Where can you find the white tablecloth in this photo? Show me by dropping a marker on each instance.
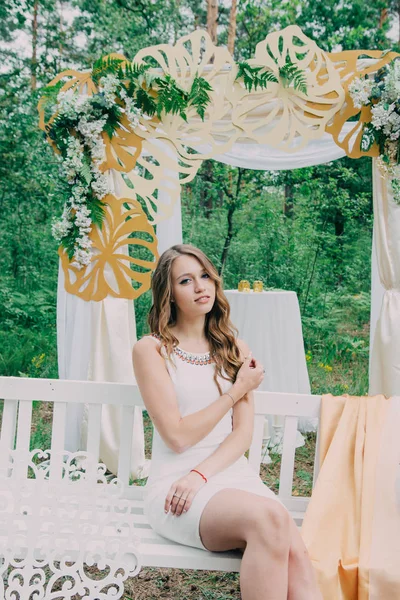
(270, 323)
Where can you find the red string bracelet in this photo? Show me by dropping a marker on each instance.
(198, 472)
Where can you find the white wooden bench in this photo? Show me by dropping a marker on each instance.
(155, 551)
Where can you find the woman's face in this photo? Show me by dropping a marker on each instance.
(192, 288)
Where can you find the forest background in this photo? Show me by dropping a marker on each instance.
(307, 230)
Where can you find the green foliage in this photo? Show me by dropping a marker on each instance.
(199, 96)
(255, 76)
(291, 74)
(107, 66)
(368, 138)
(260, 77)
(171, 98)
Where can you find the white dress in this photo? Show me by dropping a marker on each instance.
(192, 376)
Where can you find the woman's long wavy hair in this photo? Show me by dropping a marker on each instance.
(219, 330)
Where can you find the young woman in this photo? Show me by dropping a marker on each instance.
(197, 383)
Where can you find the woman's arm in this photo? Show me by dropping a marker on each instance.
(159, 397)
(237, 442)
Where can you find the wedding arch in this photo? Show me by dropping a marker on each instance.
(129, 134)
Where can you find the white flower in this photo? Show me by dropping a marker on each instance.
(82, 219)
(91, 130)
(82, 258)
(84, 241)
(392, 82)
(67, 103)
(132, 112)
(100, 185)
(392, 127)
(78, 193)
(61, 227)
(360, 91)
(108, 86)
(97, 150)
(381, 115)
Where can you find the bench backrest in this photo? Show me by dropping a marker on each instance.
(19, 393)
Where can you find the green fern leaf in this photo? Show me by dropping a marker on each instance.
(145, 102)
(290, 73)
(255, 76)
(97, 211)
(199, 95)
(171, 97)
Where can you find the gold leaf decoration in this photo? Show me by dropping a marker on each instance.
(113, 269)
(349, 65)
(283, 116)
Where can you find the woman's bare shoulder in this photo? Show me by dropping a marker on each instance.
(147, 345)
(243, 347)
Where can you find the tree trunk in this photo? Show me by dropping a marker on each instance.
(319, 244)
(288, 199)
(229, 235)
(177, 20)
(383, 17)
(398, 19)
(34, 45)
(233, 205)
(212, 19)
(339, 233)
(232, 27)
(206, 202)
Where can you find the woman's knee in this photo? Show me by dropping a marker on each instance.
(270, 525)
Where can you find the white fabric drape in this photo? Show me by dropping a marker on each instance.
(95, 341)
(377, 291)
(259, 157)
(266, 158)
(385, 358)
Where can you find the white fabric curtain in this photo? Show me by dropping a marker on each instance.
(385, 351)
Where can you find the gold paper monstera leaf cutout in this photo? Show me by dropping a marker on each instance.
(125, 254)
(280, 115)
(350, 65)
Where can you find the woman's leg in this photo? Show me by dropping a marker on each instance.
(302, 579)
(275, 562)
(239, 519)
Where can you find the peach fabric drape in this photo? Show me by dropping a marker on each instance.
(352, 493)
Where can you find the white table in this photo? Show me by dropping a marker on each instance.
(270, 323)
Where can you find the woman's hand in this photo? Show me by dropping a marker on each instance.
(182, 492)
(250, 374)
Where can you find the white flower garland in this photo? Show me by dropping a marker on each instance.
(383, 95)
(76, 214)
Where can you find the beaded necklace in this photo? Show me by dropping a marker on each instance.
(190, 357)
